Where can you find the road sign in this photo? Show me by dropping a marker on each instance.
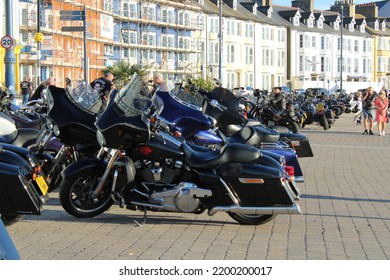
(7, 42)
(73, 17)
(72, 28)
(72, 13)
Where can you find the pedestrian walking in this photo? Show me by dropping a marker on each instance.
(359, 107)
(381, 106)
(368, 112)
(26, 89)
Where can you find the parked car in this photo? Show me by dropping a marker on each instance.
(243, 91)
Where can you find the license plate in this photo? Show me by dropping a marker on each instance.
(271, 123)
(42, 184)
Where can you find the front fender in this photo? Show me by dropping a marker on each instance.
(83, 165)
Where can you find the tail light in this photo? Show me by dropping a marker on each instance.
(289, 170)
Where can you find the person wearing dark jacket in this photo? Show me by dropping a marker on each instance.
(278, 101)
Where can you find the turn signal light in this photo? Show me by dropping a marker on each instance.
(145, 150)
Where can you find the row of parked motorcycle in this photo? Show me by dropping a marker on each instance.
(186, 150)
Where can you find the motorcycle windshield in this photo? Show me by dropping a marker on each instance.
(134, 98)
(86, 99)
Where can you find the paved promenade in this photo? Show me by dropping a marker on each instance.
(345, 205)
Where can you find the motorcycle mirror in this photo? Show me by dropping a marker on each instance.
(214, 103)
(256, 92)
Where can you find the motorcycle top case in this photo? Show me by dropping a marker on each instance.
(256, 185)
(17, 194)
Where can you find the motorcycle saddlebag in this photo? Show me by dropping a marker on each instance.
(299, 142)
(257, 185)
(17, 194)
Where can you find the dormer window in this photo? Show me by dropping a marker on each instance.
(320, 23)
(376, 26)
(269, 12)
(351, 27)
(310, 22)
(296, 21)
(336, 25)
(383, 25)
(254, 9)
(362, 29)
(201, 2)
(235, 5)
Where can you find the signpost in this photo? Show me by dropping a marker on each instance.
(77, 15)
(7, 42)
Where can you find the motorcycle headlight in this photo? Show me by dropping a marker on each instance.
(49, 123)
(100, 139)
(56, 130)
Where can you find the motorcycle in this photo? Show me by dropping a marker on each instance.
(183, 113)
(143, 168)
(71, 122)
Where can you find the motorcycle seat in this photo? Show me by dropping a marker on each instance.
(255, 135)
(232, 152)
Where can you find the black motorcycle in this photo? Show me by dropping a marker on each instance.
(142, 168)
(71, 122)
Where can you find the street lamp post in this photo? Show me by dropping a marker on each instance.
(341, 49)
(220, 40)
(38, 37)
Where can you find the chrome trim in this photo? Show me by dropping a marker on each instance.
(232, 195)
(105, 175)
(270, 210)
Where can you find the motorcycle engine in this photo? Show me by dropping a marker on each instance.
(185, 197)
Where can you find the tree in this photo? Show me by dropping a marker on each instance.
(122, 71)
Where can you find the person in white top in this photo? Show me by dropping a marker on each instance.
(359, 104)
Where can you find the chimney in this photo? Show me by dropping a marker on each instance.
(349, 7)
(306, 5)
(369, 10)
(263, 3)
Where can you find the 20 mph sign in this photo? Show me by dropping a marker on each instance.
(7, 42)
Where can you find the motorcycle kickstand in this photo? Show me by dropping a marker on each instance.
(144, 219)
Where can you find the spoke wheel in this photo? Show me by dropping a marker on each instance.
(76, 195)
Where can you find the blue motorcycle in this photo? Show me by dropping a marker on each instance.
(203, 120)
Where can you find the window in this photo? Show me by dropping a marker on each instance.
(356, 48)
(249, 30)
(301, 41)
(356, 66)
(214, 25)
(313, 42)
(133, 37)
(320, 23)
(125, 36)
(133, 10)
(322, 64)
(280, 58)
(231, 80)
(364, 66)
(296, 21)
(336, 25)
(249, 55)
(310, 22)
(214, 52)
(322, 43)
(231, 53)
(125, 10)
(281, 35)
(266, 57)
(301, 63)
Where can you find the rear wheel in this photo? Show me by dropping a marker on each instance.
(246, 219)
(76, 194)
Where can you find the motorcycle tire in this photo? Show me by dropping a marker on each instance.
(76, 190)
(245, 219)
(324, 122)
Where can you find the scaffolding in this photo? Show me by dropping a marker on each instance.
(157, 34)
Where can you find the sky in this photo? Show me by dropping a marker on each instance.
(318, 4)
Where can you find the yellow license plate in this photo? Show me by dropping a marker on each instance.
(42, 184)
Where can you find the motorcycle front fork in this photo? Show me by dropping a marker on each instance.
(113, 156)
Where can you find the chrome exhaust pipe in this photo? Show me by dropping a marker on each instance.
(270, 210)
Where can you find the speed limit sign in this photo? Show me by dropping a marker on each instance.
(7, 42)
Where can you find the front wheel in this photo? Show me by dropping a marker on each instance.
(246, 219)
(76, 194)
